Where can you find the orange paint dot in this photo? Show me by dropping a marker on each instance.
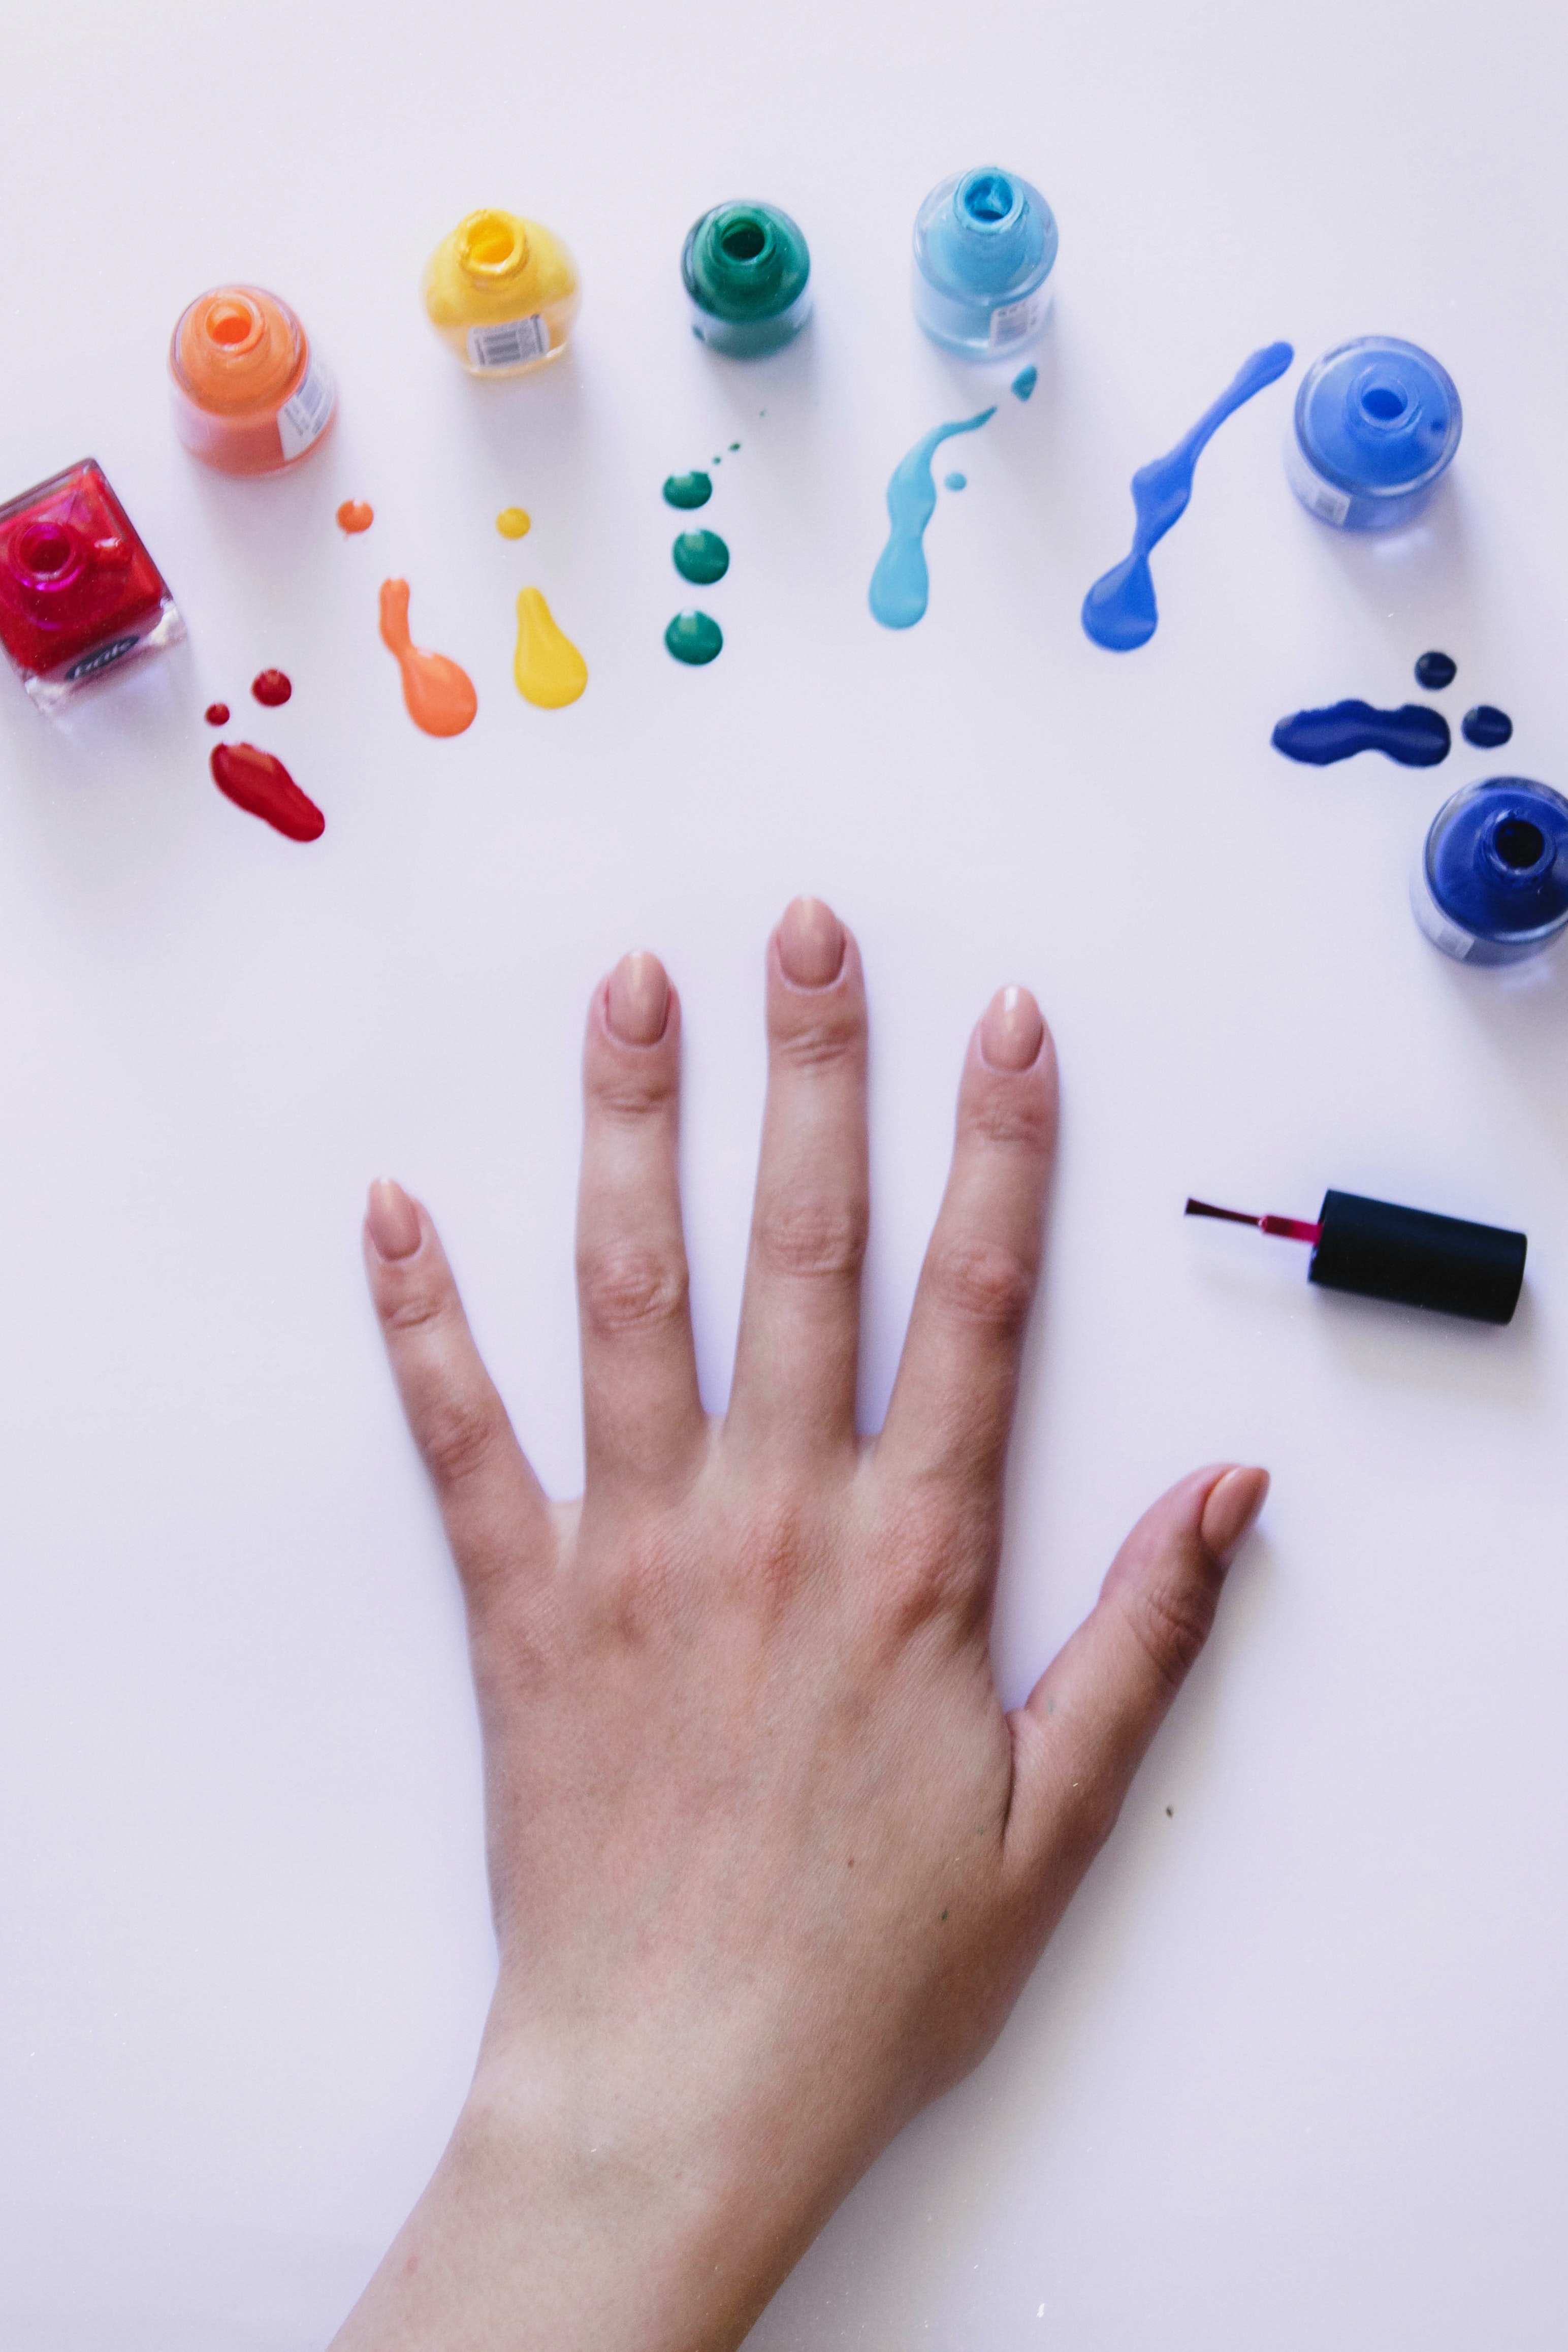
(438, 696)
(355, 514)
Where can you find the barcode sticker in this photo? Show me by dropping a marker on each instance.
(1319, 497)
(1011, 322)
(303, 420)
(509, 346)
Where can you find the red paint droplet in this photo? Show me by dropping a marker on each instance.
(272, 687)
(356, 514)
(217, 714)
(260, 783)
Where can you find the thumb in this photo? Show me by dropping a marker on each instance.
(1086, 1727)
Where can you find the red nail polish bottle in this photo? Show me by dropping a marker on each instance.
(78, 592)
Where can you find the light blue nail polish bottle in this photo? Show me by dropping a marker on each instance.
(985, 247)
(1490, 884)
(1377, 426)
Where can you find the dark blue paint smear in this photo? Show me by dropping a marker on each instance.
(901, 585)
(1414, 736)
(1434, 670)
(1486, 726)
(1118, 611)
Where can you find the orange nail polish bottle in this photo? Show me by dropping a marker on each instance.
(250, 395)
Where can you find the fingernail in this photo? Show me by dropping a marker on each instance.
(1233, 1505)
(1011, 1031)
(393, 1219)
(810, 943)
(638, 1000)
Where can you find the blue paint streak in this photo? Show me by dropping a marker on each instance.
(1025, 381)
(1414, 735)
(901, 585)
(1486, 726)
(1118, 611)
(955, 481)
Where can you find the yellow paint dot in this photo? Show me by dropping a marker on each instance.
(512, 522)
(548, 667)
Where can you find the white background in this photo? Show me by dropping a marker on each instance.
(1292, 2070)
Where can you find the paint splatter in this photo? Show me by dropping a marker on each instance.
(901, 585)
(1414, 735)
(701, 556)
(513, 523)
(1118, 611)
(272, 687)
(1486, 726)
(548, 669)
(735, 445)
(1434, 670)
(1025, 381)
(438, 696)
(261, 785)
(687, 491)
(217, 714)
(955, 481)
(694, 638)
(355, 515)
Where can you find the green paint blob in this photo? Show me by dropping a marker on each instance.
(687, 491)
(693, 638)
(702, 556)
(735, 445)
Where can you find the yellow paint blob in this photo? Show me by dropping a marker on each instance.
(512, 522)
(548, 668)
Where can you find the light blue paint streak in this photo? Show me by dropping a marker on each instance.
(1118, 611)
(955, 481)
(901, 585)
(1025, 381)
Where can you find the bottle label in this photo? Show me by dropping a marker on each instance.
(303, 420)
(1319, 497)
(100, 659)
(1012, 321)
(1449, 936)
(510, 345)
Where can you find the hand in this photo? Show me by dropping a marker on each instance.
(769, 1863)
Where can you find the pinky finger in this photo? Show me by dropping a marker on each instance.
(497, 1517)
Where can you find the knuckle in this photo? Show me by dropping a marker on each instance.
(983, 1282)
(938, 1552)
(627, 1288)
(778, 1549)
(1010, 1117)
(458, 1436)
(1171, 1621)
(808, 1237)
(821, 1036)
(418, 1308)
(625, 1090)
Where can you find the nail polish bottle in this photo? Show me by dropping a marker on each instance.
(747, 271)
(250, 395)
(985, 247)
(1490, 884)
(79, 592)
(1379, 1249)
(502, 293)
(1377, 426)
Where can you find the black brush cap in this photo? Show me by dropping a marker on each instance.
(1415, 1259)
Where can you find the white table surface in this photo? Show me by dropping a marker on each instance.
(1292, 2073)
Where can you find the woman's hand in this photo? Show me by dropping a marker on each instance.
(769, 1863)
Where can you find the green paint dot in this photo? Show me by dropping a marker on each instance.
(702, 556)
(693, 638)
(687, 491)
(735, 445)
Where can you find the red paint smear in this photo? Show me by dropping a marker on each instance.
(217, 714)
(355, 514)
(259, 784)
(272, 687)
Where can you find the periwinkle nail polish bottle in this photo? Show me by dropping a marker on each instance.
(1491, 883)
(1376, 428)
(250, 395)
(80, 593)
(985, 247)
(746, 270)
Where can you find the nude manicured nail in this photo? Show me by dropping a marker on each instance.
(810, 943)
(393, 1219)
(1233, 1505)
(638, 1000)
(1011, 1031)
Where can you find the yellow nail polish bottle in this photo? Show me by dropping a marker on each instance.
(502, 293)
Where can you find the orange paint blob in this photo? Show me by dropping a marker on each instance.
(438, 696)
(355, 514)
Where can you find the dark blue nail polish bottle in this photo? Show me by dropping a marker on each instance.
(1491, 883)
